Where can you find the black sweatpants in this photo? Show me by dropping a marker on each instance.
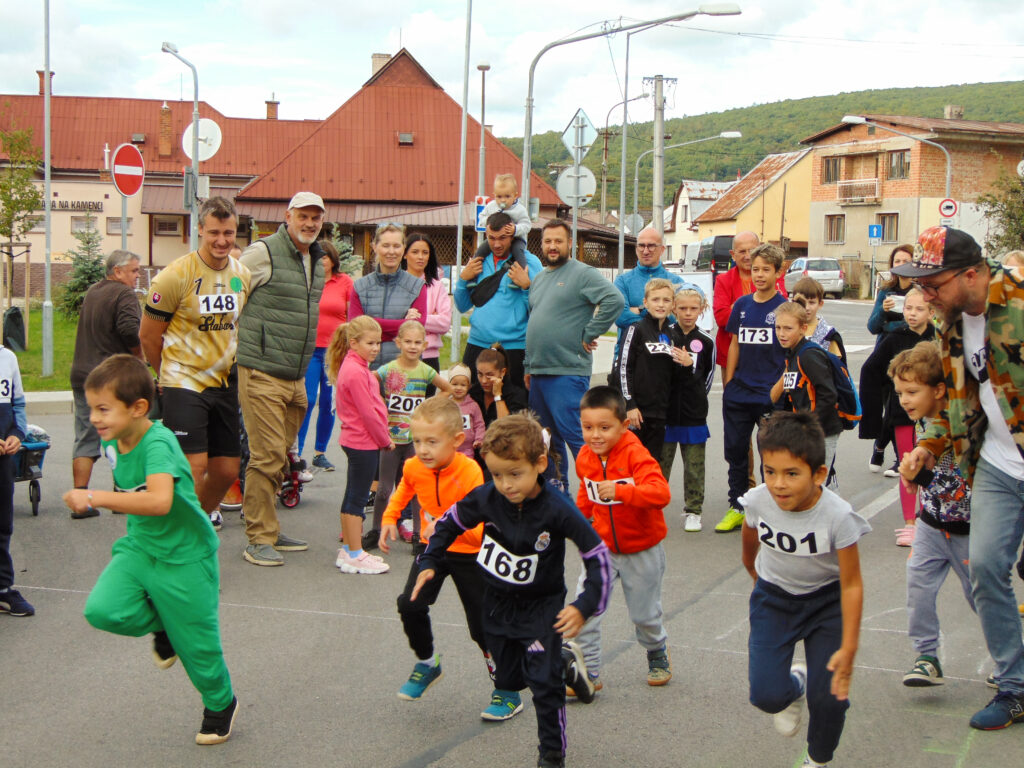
(469, 582)
(528, 652)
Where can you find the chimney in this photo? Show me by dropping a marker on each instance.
(377, 61)
(953, 112)
(42, 81)
(272, 105)
(489, 128)
(166, 137)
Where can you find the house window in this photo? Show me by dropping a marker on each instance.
(684, 213)
(405, 138)
(114, 225)
(835, 229)
(81, 224)
(899, 164)
(167, 225)
(38, 225)
(831, 169)
(890, 227)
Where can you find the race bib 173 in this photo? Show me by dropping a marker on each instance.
(756, 335)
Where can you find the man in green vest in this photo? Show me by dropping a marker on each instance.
(276, 338)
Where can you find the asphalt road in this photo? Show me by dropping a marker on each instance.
(317, 656)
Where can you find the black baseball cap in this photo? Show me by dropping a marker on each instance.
(940, 249)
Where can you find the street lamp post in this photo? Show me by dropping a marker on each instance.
(858, 120)
(172, 49)
(483, 66)
(711, 9)
(636, 170)
(604, 157)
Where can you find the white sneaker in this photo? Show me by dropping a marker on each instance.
(787, 722)
(305, 476)
(693, 522)
(217, 519)
(365, 563)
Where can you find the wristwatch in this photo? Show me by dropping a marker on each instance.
(497, 398)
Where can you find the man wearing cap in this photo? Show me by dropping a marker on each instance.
(981, 304)
(276, 339)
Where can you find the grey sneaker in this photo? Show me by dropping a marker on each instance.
(787, 722)
(262, 554)
(288, 544)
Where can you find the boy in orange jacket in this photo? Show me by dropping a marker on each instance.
(439, 476)
(623, 492)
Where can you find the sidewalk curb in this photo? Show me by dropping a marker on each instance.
(49, 403)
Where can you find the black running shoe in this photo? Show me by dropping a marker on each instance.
(576, 676)
(216, 728)
(163, 652)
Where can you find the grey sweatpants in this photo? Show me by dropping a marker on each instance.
(934, 553)
(641, 574)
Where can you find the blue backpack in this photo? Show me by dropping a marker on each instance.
(847, 401)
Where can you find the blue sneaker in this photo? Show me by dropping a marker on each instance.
(320, 462)
(504, 705)
(13, 603)
(1003, 711)
(423, 676)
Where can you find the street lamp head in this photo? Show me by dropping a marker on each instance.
(483, 66)
(854, 120)
(169, 48)
(719, 9)
(730, 135)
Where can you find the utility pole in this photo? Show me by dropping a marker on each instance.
(658, 196)
(604, 176)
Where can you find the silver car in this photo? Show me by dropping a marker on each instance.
(828, 272)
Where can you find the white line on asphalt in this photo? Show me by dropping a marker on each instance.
(872, 508)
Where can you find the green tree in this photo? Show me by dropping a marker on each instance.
(87, 268)
(19, 196)
(1004, 207)
(351, 263)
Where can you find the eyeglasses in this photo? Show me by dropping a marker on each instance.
(390, 225)
(648, 246)
(932, 289)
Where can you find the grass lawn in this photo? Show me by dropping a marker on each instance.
(31, 360)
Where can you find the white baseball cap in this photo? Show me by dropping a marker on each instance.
(307, 199)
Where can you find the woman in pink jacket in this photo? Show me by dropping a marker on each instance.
(420, 261)
(364, 431)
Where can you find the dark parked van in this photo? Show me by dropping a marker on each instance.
(714, 255)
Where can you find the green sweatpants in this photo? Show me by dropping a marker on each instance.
(693, 472)
(137, 594)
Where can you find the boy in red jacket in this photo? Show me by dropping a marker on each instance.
(623, 492)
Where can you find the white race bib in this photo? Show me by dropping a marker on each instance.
(499, 562)
(756, 335)
(6, 390)
(594, 496)
(404, 404)
(467, 423)
(219, 303)
(658, 348)
(789, 379)
(801, 543)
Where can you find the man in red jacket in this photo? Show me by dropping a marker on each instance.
(623, 492)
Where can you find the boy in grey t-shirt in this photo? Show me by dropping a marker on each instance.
(800, 547)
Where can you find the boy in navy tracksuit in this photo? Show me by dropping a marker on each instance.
(522, 553)
(12, 432)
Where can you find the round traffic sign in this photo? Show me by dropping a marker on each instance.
(128, 170)
(566, 185)
(948, 208)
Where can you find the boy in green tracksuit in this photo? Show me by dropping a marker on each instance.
(163, 577)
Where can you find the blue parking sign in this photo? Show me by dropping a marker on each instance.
(481, 225)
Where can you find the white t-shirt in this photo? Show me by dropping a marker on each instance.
(798, 549)
(998, 448)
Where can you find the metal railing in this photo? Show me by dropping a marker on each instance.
(858, 190)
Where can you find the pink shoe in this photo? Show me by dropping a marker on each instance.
(905, 536)
(365, 563)
(405, 530)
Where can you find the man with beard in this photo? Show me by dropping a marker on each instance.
(981, 303)
(276, 339)
(571, 305)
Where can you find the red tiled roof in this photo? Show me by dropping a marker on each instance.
(274, 210)
(355, 154)
(81, 125)
(747, 189)
(939, 125)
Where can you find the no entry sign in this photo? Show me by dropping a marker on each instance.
(128, 171)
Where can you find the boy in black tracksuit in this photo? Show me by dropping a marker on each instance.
(522, 554)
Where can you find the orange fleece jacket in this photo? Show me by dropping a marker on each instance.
(637, 523)
(437, 490)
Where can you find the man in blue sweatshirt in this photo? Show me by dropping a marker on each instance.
(649, 247)
(571, 305)
(502, 318)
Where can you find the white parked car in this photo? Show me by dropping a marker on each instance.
(828, 272)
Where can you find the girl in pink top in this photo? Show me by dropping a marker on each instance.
(421, 261)
(364, 431)
(333, 312)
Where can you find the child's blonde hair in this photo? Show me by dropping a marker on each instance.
(515, 437)
(658, 284)
(921, 363)
(506, 179)
(440, 410)
(809, 287)
(795, 308)
(688, 291)
(411, 325)
(342, 339)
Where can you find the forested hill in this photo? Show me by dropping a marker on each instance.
(766, 128)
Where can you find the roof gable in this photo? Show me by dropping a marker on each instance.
(962, 129)
(402, 69)
(751, 186)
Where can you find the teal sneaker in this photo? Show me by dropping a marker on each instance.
(504, 705)
(423, 676)
(733, 519)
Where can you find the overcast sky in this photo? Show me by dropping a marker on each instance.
(314, 57)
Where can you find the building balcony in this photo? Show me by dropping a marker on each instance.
(858, 192)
